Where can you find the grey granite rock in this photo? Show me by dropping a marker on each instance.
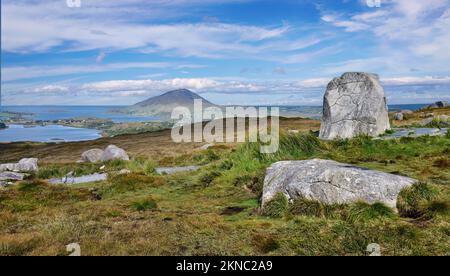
(354, 104)
(70, 180)
(398, 116)
(114, 153)
(92, 155)
(14, 176)
(24, 165)
(331, 182)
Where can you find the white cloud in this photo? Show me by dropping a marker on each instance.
(307, 91)
(13, 73)
(50, 89)
(101, 56)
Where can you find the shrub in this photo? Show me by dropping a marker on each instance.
(142, 165)
(226, 165)
(253, 181)
(362, 211)
(144, 205)
(209, 177)
(277, 207)
(411, 201)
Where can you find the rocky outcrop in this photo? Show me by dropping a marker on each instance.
(398, 116)
(70, 179)
(114, 153)
(331, 182)
(92, 156)
(354, 104)
(12, 176)
(440, 104)
(24, 165)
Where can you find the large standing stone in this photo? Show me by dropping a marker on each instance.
(331, 182)
(354, 104)
(114, 153)
(92, 156)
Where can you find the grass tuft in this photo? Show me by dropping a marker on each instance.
(411, 201)
(144, 205)
(362, 211)
(277, 207)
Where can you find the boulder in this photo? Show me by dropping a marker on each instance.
(24, 165)
(114, 153)
(398, 116)
(15, 176)
(2, 125)
(407, 111)
(92, 156)
(27, 165)
(439, 104)
(354, 104)
(331, 182)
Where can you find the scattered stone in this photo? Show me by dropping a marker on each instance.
(331, 182)
(293, 131)
(207, 146)
(114, 153)
(124, 171)
(414, 133)
(102, 167)
(407, 111)
(398, 116)
(92, 156)
(173, 170)
(79, 180)
(15, 176)
(24, 165)
(354, 104)
(429, 115)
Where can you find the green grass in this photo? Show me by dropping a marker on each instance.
(183, 214)
(144, 205)
(276, 207)
(412, 201)
(362, 211)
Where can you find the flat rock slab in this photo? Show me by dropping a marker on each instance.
(331, 182)
(173, 170)
(70, 180)
(414, 132)
(12, 176)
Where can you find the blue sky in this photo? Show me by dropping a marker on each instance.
(261, 52)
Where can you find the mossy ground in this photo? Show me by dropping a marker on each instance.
(215, 211)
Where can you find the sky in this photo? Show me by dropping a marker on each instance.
(246, 52)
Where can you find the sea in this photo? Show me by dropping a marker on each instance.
(58, 133)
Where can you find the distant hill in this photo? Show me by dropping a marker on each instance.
(163, 105)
